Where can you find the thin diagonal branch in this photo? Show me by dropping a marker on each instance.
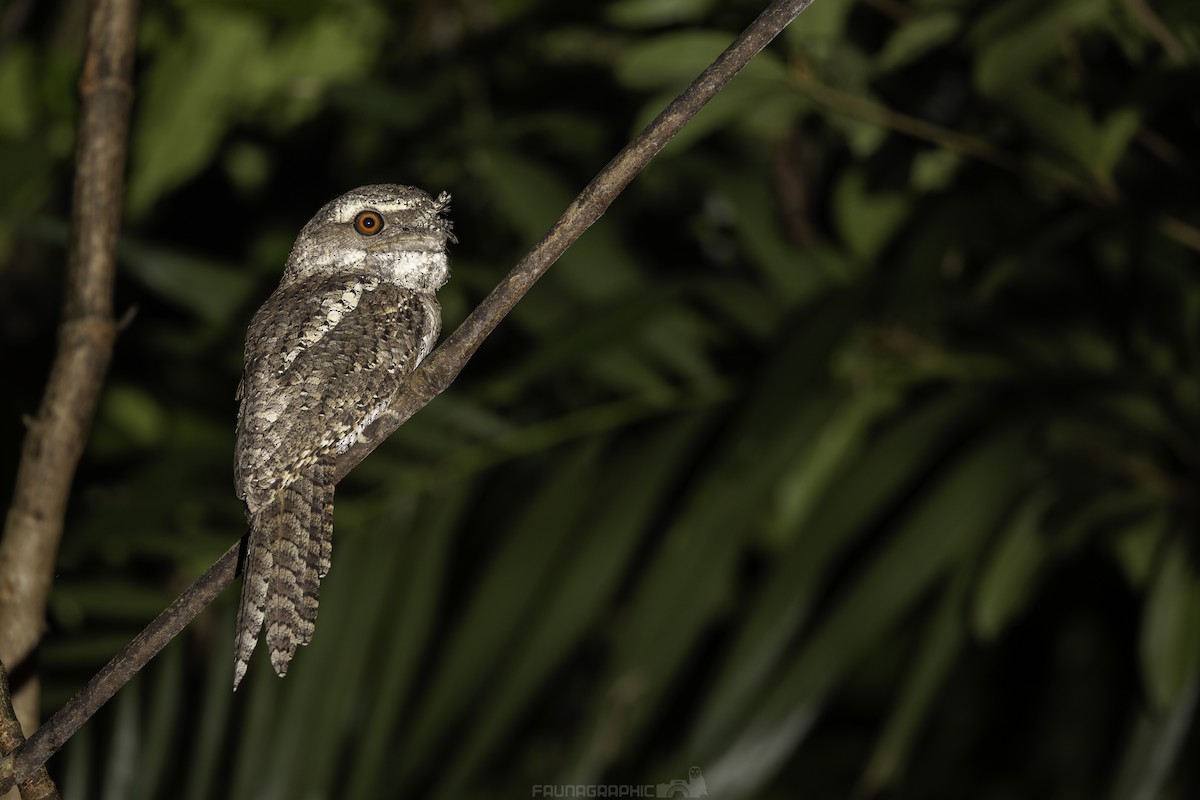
(56, 437)
(441, 368)
(436, 373)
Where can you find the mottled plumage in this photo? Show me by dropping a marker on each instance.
(353, 316)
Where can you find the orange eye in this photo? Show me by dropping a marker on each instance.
(368, 223)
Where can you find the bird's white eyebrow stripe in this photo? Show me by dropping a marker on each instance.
(348, 211)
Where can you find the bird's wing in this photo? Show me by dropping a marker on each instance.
(323, 358)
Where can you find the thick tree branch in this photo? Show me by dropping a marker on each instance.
(56, 437)
(37, 786)
(436, 373)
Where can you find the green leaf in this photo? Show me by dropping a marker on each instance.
(804, 483)
(841, 519)
(1115, 135)
(970, 498)
(822, 24)
(1135, 545)
(213, 292)
(1153, 748)
(1170, 640)
(917, 37)
(674, 59)
(1009, 578)
(934, 170)
(122, 754)
(577, 590)
(224, 68)
(692, 570)
(796, 274)
(417, 586)
(738, 104)
(1070, 131)
(1017, 39)
(865, 219)
(669, 62)
(16, 89)
(652, 13)
(941, 644)
(25, 170)
(109, 599)
(188, 98)
(258, 730)
(211, 728)
(504, 596)
(128, 418)
(165, 694)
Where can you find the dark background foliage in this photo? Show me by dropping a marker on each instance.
(851, 454)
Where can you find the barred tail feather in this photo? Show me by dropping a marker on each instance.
(325, 504)
(253, 607)
(288, 553)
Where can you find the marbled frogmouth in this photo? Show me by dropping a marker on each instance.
(355, 313)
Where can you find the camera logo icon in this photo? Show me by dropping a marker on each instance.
(694, 786)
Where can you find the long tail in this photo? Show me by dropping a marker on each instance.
(287, 554)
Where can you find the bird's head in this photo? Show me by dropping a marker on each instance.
(396, 232)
